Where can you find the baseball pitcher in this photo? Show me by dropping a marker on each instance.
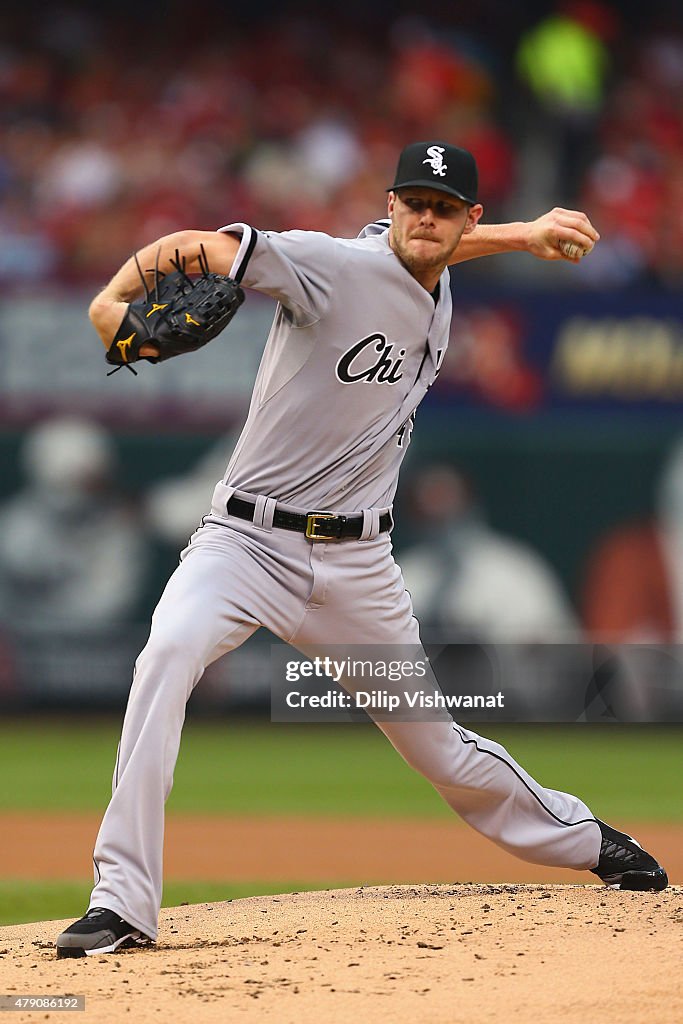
(298, 535)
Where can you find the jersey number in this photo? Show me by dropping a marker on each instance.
(404, 434)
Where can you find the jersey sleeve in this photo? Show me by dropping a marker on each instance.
(297, 268)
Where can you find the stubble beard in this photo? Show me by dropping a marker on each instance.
(421, 264)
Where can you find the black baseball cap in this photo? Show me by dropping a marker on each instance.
(438, 165)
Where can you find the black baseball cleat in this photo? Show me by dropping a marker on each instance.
(100, 931)
(624, 864)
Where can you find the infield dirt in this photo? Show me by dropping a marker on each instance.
(282, 849)
(422, 953)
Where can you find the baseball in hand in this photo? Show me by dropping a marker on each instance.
(571, 250)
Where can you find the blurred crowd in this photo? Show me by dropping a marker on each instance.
(119, 125)
(76, 549)
(77, 560)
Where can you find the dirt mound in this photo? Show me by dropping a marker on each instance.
(520, 953)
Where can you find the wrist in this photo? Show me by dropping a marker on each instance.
(518, 236)
(106, 316)
(492, 239)
(110, 296)
(107, 297)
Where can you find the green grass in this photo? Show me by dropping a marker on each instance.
(22, 901)
(242, 767)
(624, 773)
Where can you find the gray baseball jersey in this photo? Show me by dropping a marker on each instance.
(354, 334)
(355, 344)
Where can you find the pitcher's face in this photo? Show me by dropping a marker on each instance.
(426, 226)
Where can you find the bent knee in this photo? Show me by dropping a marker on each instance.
(166, 649)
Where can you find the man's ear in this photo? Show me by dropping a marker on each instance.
(473, 217)
(391, 202)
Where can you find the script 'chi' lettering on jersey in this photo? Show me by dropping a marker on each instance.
(124, 345)
(435, 159)
(371, 360)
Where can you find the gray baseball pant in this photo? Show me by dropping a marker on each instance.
(235, 576)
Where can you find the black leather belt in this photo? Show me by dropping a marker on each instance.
(316, 525)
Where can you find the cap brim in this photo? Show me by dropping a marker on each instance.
(430, 183)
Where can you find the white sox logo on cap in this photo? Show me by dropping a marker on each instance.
(435, 160)
(439, 165)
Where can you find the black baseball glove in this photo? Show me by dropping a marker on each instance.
(179, 314)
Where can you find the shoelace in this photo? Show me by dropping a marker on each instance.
(615, 851)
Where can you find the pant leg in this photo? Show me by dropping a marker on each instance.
(225, 587)
(362, 600)
(481, 781)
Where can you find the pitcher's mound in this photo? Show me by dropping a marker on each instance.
(525, 953)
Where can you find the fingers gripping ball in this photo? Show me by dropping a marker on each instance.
(179, 314)
(571, 250)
